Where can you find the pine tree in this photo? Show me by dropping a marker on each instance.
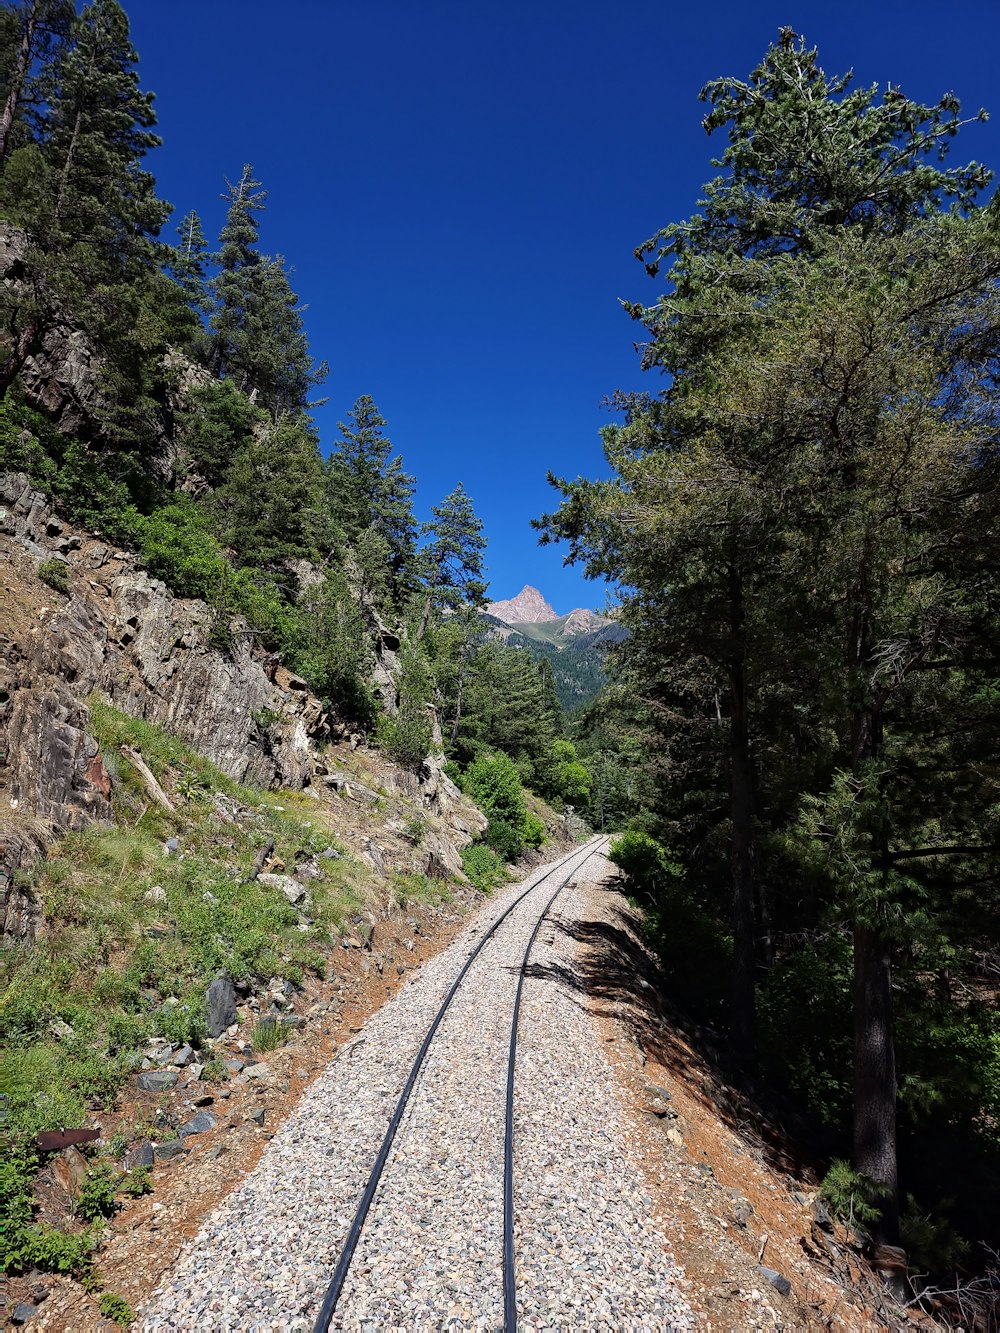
(32, 34)
(188, 263)
(238, 260)
(826, 198)
(90, 209)
(452, 561)
(368, 488)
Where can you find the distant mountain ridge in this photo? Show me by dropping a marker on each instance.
(573, 643)
(531, 615)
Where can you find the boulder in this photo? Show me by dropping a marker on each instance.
(158, 1080)
(220, 1002)
(293, 890)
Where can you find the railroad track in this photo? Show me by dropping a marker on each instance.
(572, 864)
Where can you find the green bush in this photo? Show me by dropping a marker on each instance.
(484, 869)
(493, 783)
(96, 1197)
(268, 1035)
(645, 863)
(56, 574)
(533, 830)
(117, 1309)
(504, 838)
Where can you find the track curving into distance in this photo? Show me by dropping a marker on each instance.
(336, 1285)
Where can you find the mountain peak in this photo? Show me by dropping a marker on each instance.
(529, 607)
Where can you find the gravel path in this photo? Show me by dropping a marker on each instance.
(588, 1252)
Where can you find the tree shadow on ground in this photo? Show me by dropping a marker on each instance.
(613, 975)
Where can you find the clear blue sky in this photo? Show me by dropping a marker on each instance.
(460, 185)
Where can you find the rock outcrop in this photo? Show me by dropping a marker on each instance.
(123, 634)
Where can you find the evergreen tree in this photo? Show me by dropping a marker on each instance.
(188, 263)
(452, 561)
(32, 34)
(828, 206)
(368, 488)
(91, 212)
(238, 260)
(270, 508)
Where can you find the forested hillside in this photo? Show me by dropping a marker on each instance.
(804, 511)
(160, 393)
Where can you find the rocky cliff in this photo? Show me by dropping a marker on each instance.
(119, 633)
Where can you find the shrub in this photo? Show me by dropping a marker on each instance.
(504, 838)
(644, 862)
(268, 1035)
(117, 1309)
(492, 782)
(56, 574)
(484, 869)
(137, 1183)
(96, 1198)
(533, 830)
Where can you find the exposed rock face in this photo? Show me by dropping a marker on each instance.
(124, 634)
(454, 821)
(528, 607)
(22, 841)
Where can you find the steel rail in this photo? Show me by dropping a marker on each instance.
(336, 1284)
(509, 1280)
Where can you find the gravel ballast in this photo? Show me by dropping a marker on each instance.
(588, 1250)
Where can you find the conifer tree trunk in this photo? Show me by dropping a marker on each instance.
(743, 1028)
(17, 78)
(875, 1075)
(874, 1040)
(67, 167)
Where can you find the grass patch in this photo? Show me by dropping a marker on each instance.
(268, 1035)
(424, 889)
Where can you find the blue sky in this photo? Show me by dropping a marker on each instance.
(460, 185)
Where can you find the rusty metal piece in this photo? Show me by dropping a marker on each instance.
(53, 1140)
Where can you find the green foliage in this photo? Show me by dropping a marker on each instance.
(932, 1244)
(137, 1183)
(533, 830)
(330, 644)
(406, 736)
(23, 1245)
(117, 1309)
(645, 863)
(214, 423)
(483, 867)
(452, 560)
(56, 574)
(268, 1035)
(96, 1196)
(367, 489)
(415, 829)
(492, 782)
(419, 889)
(853, 1197)
(805, 1021)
